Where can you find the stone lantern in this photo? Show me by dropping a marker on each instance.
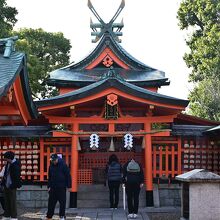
(200, 198)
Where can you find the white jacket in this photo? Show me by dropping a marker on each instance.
(2, 171)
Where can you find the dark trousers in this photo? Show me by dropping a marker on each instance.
(113, 193)
(2, 201)
(132, 191)
(10, 203)
(54, 196)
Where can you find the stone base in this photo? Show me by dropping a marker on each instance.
(149, 198)
(97, 196)
(73, 200)
(169, 195)
(32, 196)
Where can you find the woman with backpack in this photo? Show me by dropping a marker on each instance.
(133, 178)
(114, 177)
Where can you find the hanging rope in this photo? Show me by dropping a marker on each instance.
(107, 134)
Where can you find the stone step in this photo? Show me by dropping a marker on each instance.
(103, 203)
(95, 187)
(101, 195)
(97, 196)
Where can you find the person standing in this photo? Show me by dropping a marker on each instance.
(114, 178)
(133, 178)
(2, 201)
(59, 180)
(10, 182)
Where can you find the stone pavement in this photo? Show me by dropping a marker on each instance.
(104, 214)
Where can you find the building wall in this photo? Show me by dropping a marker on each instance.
(204, 199)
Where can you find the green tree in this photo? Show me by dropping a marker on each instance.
(205, 99)
(202, 20)
(7, 19)
(45, 52)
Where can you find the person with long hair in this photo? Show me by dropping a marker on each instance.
(114, 178)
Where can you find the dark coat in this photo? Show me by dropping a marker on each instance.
(15, 173)
(114, 171)
(132, 178)
(59, 175)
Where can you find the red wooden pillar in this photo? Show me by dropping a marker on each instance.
(173, 161)
(179, 155)
(148, 167)
(111, 127)
(74, 168)
(41, 159)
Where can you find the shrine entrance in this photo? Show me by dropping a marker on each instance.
(91, 162)
(92, 165)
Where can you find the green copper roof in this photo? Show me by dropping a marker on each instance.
(10, 67)
(138, 74)
(110, 81)
(13, 64)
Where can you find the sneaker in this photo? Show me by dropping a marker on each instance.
(62, 218)
(135, 215)
(13, 218)
(130, 215)
(115, 208)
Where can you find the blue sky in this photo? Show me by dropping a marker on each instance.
(150, 34)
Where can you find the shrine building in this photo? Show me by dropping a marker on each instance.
(107, 103)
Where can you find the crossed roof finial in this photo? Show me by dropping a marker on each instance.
(112, 28)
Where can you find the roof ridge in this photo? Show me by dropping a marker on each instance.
(9, 45)
(111, 81)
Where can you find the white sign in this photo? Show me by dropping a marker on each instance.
(94, 141)
(128, 139)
